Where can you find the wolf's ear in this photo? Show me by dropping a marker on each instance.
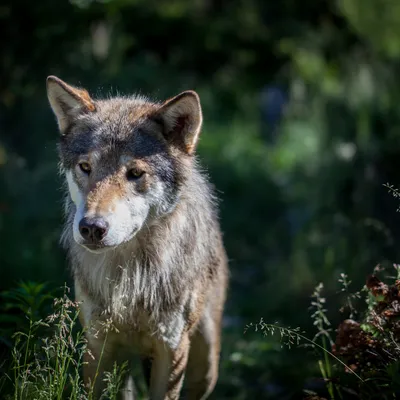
(182, 119)
(66, 100)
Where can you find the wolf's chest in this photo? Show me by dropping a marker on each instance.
(132, 327)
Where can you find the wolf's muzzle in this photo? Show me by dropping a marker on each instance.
(93, 230)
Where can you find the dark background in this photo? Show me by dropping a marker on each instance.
(301, 103)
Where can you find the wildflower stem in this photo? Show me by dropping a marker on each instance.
(292, 332)
(90, 397)
(327, 368)
(26, 359)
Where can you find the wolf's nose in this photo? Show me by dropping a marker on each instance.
(93, 229)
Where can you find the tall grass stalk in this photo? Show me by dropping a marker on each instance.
(93, 384)
(294, 336)
(323, 332)
(48, 357)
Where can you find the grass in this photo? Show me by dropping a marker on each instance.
(47, 358)
(363, 361)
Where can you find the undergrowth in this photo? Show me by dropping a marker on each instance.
(47, 356)
(358, 360)
(363, 362)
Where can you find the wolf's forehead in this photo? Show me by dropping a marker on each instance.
(123, 110)
(114, 116)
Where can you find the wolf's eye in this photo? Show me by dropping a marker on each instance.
(85, 167)
(134, 174)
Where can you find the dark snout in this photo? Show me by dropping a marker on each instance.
(94, 229)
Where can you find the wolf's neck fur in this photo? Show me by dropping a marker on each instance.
(142, 275)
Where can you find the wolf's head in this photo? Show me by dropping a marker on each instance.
(123, 158)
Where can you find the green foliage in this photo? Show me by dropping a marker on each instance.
(363, 361)
(28, 297)
(115, 380)
(46, 364)
(21, 306)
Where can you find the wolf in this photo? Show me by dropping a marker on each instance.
(143, 237)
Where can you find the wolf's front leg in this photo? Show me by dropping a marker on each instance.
(168, 370)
